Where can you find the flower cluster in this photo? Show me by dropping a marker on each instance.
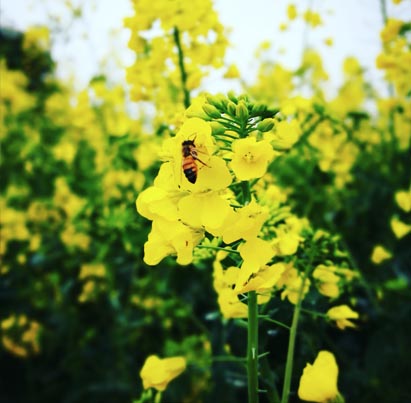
(176, 43)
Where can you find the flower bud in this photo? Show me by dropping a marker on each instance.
(265, 125)
(217, 128)
(257, 109)
(231, 108)
(219, 101)
(211, 111)
(241, 111)
(232, 97)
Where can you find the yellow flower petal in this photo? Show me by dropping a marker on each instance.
(157, 373)
(400, 228)
(403, 199)
(380, 254)
(250, 158)
(318, 382)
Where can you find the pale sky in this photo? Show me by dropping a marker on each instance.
(353, 25)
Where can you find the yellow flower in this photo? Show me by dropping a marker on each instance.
(318, 382)
(36, 37)
(232, 72)
(285, 134)
(245, 223)
(292, 282)
(250, 158)
(380, 254)
(327, 280)
(403, 199)
(264, 280)
(292, 12)
(399, 228)
(341, 314)
(224, 281)
(312, 18)
(391, 29)
(204, 210)
(256, 253)
(157, 373)
(169, 238)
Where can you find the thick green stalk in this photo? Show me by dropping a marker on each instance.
(291, 344)
(252, 348)
(252, 335)
(183, 72)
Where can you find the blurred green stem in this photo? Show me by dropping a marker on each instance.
(183, 72)
(291, 340)
(252, 348)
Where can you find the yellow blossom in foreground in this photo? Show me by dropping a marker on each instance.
(399, 228)
(341, 314)
(250, 158)
(403, 199)
(318, 382)
(245, 222)
(264, 280)
(255, 253)
(169, 238)
(380, 254)
(157, 373)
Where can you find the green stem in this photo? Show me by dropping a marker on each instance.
(218, 248)
(183, 72)
(291, 343)
(252, 348)
(245, 187)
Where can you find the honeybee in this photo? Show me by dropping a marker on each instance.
(190, 157)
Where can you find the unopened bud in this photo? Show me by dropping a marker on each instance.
(217, 128)
(257, 109)
(232, 97)
(241, 111)
(265, 125)
(211, 111)
(231, 108)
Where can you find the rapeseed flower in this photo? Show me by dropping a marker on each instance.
(327, 280)
(250, 158)
(380, 254)
(341, 314)
(318, 382)
(158, 372)
(400, 228)
(403, 199)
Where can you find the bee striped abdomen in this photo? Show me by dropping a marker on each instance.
(190, 169)
(190, 159)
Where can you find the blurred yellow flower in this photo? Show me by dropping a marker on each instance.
(232, 72)
(399, 228)
(403, 199)
(327, 280)
(341, 314)
(318, 382)
(380, 254)
(158, 372)
(292, 12)
(391, 29)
